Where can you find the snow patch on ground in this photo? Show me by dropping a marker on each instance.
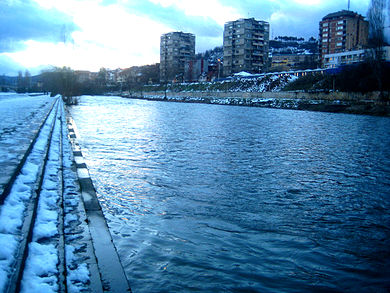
(8, 245)
(40, 274)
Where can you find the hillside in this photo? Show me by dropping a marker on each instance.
(263, 83)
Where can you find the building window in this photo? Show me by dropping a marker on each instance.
(325, 24)
(325, 29)
(325, 35)
(340, 28)
(340, 22)
(325, 40)
(339, 44)
(339, 33)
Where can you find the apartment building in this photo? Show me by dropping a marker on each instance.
(342, 31)
(176, 48)
(245, 46)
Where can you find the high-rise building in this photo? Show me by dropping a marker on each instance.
(245, 46)
(342, 31)
(176, 48)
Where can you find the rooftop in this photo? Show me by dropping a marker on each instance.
(342, 13)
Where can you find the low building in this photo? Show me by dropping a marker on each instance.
(83, 75)
(352, 57)
(344, 58)
(196, 70)
(285, 62)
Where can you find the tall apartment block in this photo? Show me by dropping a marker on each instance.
(176, 48)
(245, 46)
(342, 31)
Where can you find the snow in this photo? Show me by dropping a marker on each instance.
(243, 73)
(78, 278)
(41, 272)
(8, 245)
(21, 116)
(12, 211)
(79, 275)
(69, 218)
(41, 269)
(45, 229)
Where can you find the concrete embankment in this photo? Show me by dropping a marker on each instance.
(356, 103)
(51, 223)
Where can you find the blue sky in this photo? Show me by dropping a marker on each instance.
(90, 34)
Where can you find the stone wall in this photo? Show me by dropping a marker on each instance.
(336, 102)
(331, 96)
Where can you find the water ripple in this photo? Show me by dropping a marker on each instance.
(232, 199)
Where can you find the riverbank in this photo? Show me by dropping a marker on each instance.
(335, 102)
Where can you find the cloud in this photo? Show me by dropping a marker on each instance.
(204, 18)
(174, 17)
(9, 66)
(123, 33)
(22, 20)
(108, 36)
(293, 17)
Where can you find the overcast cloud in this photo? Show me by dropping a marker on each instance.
(25, 20)
(90, 34)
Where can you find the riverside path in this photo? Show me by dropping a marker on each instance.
(53, 235)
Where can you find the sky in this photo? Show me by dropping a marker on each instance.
(91, 34)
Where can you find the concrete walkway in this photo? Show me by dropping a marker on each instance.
(21, 117)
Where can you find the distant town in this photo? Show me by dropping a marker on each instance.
(246, 50)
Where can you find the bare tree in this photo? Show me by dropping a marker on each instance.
(376, 18)
(62, 81)
(20, 82)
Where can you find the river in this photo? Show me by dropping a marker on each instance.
(210, 198)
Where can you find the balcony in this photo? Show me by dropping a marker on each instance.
(257, 64)
(258, 37)
(256, 43)
(227, 54)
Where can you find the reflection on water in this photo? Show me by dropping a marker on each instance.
(217, 198)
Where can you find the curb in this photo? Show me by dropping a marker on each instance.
(112, 275)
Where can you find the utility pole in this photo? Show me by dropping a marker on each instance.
(349, 4)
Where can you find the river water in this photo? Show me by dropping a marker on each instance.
(210, 198)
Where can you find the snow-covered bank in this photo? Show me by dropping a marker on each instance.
(252, 83)
(38, 190)
(20, 118)
(45, 236)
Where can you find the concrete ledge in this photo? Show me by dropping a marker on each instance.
(335, 102)
(112, 275)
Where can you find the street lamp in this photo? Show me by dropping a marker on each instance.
(219, 62)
